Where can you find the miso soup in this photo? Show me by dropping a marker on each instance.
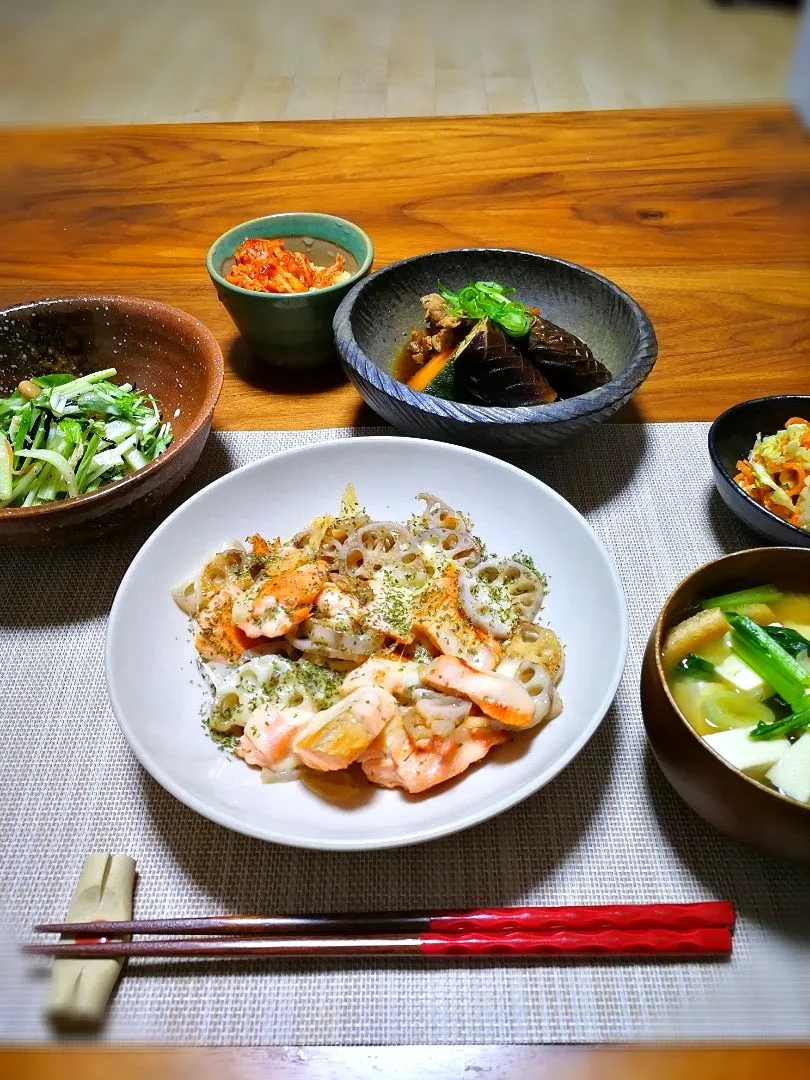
(739, 671)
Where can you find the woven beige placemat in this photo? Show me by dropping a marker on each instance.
(608, 829)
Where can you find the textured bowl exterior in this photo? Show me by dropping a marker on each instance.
(731, 437)
(729, 800)
(374, 322)
(292, 331)
(158, 348)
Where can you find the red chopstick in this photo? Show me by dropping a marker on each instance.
(607, 944)
(708, 915)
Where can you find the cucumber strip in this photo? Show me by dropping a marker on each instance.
(135, 459)
(6, 460)
(87, 458)
(23, 485)
(71, 389)
(59, 463)
(118, 430)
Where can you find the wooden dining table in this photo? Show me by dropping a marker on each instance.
(702, 214)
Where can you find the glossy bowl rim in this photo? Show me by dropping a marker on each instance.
(214, 388)
(619, 389)
(761, 511)
(659, 667)
(361, 271)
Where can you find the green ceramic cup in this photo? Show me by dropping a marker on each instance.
(293, 331)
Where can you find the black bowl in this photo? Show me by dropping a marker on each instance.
(731, 437)
(375, 319)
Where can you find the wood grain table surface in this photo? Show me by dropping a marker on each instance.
(703, 215)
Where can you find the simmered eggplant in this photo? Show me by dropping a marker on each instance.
(481, 346)
(492, 370)
(564, 359)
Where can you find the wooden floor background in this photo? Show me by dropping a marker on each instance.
(163, 61)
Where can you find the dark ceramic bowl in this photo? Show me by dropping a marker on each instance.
(374, 322)
(731, 437)
(293, 331)
(731, 801)
(157, 348)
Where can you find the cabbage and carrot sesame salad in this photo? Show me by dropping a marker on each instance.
(262, 265)
(776, 472)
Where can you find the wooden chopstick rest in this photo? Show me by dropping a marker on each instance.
(80, 989)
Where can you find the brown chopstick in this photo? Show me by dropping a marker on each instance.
(706, 915)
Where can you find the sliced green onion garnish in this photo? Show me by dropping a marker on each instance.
(488, 300)
(731, 708)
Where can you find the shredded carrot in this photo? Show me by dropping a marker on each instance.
(777, 508)
(797, 485)
(745, 472)
(262, 265)
(796, 420)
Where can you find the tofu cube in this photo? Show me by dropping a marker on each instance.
(752, 756)
(739, 676)
(791, 774)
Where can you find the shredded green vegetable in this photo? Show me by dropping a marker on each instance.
(76, 435)
(695, 667)
(791, 640)
(761, 594)
(489, 300)
(788, 725)
(770, 661)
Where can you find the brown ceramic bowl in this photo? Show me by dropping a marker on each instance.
(157, 348)
(735, 804)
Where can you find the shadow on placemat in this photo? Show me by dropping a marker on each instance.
(617, 452)
(732, 533)
(727, 868)
(508, 857)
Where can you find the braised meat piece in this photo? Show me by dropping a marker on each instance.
(437, 314)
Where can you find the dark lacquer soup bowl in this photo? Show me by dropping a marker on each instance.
(160, 350)
(374, 322)
(738, 805)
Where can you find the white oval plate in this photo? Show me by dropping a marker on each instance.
(157, 691)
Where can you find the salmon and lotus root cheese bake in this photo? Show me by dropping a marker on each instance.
(398, 652)
(479, 346)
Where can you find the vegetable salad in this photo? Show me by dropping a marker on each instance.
(63, 436)
(777, 472)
